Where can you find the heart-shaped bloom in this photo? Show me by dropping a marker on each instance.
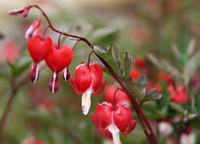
(87, 81)
(112, 121)
(58, 59)
(120, 96)
(38, 48)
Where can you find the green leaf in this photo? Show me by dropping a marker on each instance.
(142, 81)
(151, 91)
(163, 103)
(177, 107)
(191, 67)
(191, 46)
(153, 97)
(197, 100)
(110, 57)
(128, 65)
(20, 69)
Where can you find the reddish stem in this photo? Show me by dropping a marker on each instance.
(51, 26)
(89, 58)
(114, 103)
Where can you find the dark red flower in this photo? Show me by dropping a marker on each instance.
(33, 142)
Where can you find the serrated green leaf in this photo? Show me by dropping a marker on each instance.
(128, 65)
(107, 55)
(191, 67)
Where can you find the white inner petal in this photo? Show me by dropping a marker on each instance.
(86, 101)
(36, 72)
(65, 74)
(115, 131)
(28, 32)
(54, 80)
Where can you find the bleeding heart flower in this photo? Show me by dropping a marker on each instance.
(58, 59)
(38, 48)
(179, 95)
(120, 96)
(112, 120)
(33, 142)
(135, 74)
(87, 81)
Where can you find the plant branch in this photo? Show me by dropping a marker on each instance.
(51, 26)
(10, 102)
(144, 121)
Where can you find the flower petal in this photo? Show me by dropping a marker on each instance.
(130, 128)
(86, 102)
(100, 88)
(73, 84)
(34, 75)
(54, 83)
(95, 121)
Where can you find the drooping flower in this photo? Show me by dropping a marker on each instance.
(38, 48)
(87, 81)
(112, 121)
(58, 59)
(120, 96)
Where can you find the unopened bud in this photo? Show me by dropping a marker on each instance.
(16, 11)
(31, 31)
(25, 13)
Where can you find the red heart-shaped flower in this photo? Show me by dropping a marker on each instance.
(38, 48)
(59, 58)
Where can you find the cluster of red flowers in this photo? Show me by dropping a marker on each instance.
(112, 116)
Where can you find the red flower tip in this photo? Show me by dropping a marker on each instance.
(34, 75)
(152, 85)
(54, 83)
(120, 96)
(66, 74)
